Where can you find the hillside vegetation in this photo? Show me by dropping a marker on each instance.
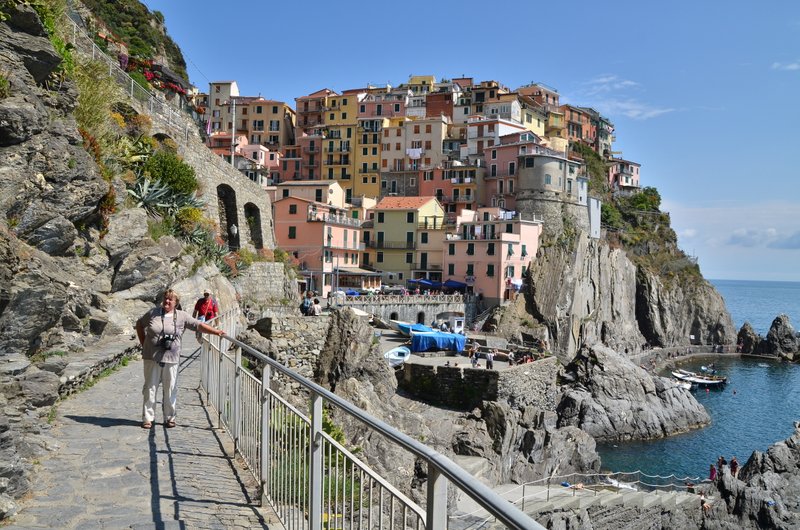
(142, 32)
(637, 224)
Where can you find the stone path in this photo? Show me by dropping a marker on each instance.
(108, 472)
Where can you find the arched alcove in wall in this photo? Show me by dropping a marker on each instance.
(228, 216)
(253, 216)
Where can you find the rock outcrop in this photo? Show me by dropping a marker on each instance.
(781, 341)
(612, 399)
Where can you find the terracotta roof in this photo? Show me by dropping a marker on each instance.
(403, 203)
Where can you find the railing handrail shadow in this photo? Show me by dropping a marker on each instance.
(441, 469)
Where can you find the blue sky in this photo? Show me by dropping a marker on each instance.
(702, 94)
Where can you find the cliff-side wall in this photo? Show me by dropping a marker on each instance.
(465, 388)
(595, 294)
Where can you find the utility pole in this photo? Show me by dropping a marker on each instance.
(233, 130)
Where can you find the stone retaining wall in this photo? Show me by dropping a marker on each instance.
(298, 340)
(465, 388)
(266, 283)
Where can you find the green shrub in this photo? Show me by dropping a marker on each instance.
(160, 228)
(5, 86)
(141, 80)
(246, 258)
(648, 200)
(610, 215)
(168, 168)
(97, 93)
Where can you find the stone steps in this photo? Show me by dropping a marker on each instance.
(560, 499)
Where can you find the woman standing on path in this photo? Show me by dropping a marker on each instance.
(160, 331)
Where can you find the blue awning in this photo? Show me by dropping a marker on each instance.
(452, 284)
(351, 292)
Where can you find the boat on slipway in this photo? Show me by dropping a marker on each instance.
(397, 356)
(701, 380)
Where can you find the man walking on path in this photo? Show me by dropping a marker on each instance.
(205, 309)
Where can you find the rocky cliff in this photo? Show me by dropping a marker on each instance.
(592, 293)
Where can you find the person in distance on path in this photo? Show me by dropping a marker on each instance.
(159, 332)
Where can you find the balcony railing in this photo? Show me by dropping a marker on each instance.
(407, 245)
(433, 224)
(334, 219)
(294, 459)
(426, 266)
(344, 246)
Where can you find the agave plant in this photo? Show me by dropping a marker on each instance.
(153, 196)
(179, 201)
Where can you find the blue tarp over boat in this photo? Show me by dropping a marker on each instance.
(406, 329)
(438, 341)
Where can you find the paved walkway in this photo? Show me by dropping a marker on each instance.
(108, 472)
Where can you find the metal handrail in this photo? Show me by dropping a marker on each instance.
(439, 466)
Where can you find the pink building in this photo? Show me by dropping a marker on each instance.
(454, 185)
(291, 162)
(502, 168)
(623, 175)
(324, 242)
(491, 252)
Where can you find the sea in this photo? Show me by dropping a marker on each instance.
(757, 408)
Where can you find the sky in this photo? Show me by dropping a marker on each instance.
(703, 94)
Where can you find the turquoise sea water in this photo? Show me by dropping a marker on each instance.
(761, 412)
(760, 302)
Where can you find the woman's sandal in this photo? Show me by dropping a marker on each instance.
(170, 424)
(147, 425)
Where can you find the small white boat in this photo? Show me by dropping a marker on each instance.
(395, 325)
(397, 356)
(686, 385)
(699, 379)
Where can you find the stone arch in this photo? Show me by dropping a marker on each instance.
(160, 136)
(253, 217)
(421, 317)
(393, 315)
(228, 216)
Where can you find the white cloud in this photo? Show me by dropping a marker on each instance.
(606, 83)
(790, 67)
(631, 108)
(612, 96)
(688, 233)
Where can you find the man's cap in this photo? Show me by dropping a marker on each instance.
(207, 291)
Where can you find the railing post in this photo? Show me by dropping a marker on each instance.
(315, 460)
(523, 497)
(237, 398)
(436, 516)
(220, 386)
(265, 439)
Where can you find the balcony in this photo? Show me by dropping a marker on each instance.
(462, 180)
(311, 149)
(397, 245)
(365, 170)
(433, 224)
(344, 246)
(340, 220)
(426, 266)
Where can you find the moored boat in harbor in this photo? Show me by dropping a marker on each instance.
(700, 379)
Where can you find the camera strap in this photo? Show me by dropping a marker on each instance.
(174, 322)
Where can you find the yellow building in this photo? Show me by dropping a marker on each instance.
(394, 238)
(340, 118)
